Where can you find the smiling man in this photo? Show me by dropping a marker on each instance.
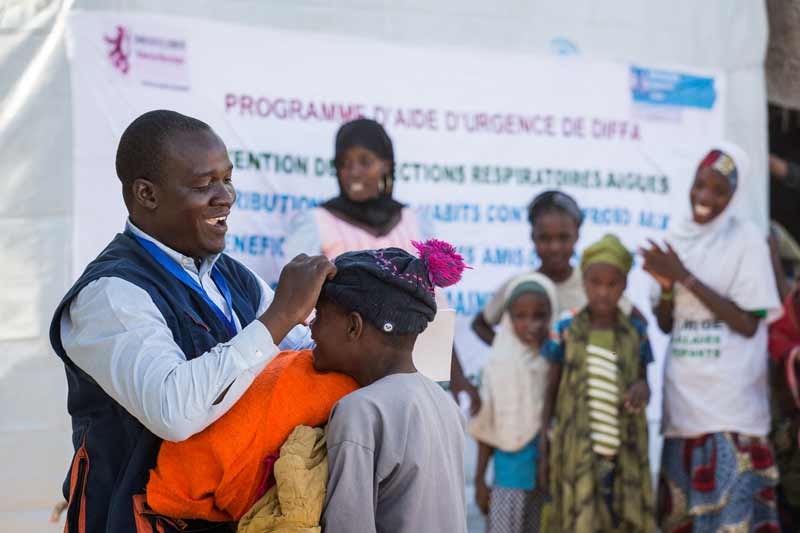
(163, 332)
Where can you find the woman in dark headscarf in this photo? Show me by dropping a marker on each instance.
(364, 215)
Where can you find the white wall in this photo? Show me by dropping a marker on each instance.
(36, 145)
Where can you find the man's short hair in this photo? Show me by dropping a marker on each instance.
(144, 144)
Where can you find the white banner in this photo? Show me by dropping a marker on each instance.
(477, 135)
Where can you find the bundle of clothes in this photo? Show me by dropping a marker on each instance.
(264, 462)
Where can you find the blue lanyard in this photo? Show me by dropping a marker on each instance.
(173, 268)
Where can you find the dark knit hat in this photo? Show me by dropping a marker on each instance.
(392, 289)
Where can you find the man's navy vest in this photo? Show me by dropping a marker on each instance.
(113, 451)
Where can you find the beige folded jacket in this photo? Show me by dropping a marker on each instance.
(294, 504)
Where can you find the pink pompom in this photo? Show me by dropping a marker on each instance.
(445, 265)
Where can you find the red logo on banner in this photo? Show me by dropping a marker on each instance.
(120, 46)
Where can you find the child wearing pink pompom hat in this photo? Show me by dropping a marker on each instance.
(395, 446)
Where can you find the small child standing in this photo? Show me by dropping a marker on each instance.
(512, 392)
(598, 453)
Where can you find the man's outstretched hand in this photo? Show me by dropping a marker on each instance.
(297, 292)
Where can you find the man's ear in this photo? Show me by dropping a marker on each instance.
(145, 193)
(355, 326)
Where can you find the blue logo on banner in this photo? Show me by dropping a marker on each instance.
(663, 87)
(561, 46)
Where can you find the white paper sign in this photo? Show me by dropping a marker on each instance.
(434, 348)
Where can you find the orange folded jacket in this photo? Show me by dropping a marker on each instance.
(215, 475)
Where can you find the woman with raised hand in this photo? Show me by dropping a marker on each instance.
(717, 295)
